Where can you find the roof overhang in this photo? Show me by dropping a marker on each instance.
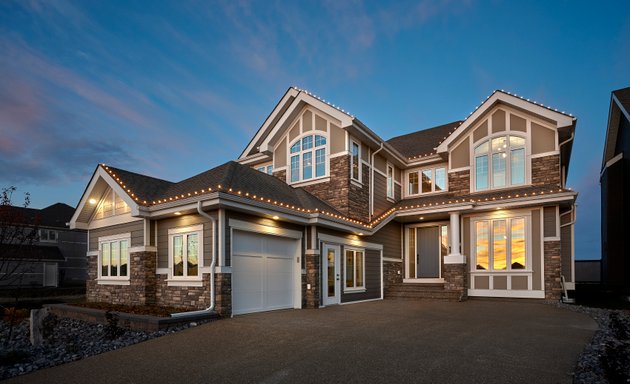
(98, 184)
(615, 113)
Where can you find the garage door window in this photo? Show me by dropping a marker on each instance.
(355, 270)
(185, 252)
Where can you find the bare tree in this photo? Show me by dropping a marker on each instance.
(18, 234)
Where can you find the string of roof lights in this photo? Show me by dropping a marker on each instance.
(262, 199)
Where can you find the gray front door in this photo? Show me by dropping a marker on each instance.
(428, 247)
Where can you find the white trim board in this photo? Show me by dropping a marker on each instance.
(342, 240)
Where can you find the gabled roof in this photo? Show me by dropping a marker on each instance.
(619, 106)
(56, 215)
(230, 176)
(422, 143)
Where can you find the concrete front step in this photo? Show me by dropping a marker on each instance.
(420, 291)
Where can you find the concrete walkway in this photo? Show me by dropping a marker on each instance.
(389, 341)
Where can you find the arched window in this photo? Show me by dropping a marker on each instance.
(500, 162)
(305, 152)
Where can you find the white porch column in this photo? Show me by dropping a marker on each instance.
(454, 256)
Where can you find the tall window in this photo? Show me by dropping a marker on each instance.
(355, 154)
(390, 181)
(185, 252)
(308, 158)
(114, 258)
(500, 162)
(355, 269)
(500, 244)
(428, 180)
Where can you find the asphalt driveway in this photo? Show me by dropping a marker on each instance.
(389, 341)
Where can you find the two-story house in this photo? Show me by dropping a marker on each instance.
(320, 210)
(54, 256)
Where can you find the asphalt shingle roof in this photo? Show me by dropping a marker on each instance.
(423, 142)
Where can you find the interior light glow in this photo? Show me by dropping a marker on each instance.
(92, 201)
(178, 213)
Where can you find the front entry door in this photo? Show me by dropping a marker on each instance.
(331, 280)
(428, 248)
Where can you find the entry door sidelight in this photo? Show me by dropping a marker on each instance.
(428, 248)
(331, 279)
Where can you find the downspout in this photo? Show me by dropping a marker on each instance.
(372, 181)
(210, 309)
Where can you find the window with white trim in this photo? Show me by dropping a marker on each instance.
(390, 181)
(500, 244)
(111, 205)
(355, 269)
(185, 252)
(355, 160)
(114, 258)
(48, 236)
(429, 180)
(499, 162)
(268, 169)
(307, 158)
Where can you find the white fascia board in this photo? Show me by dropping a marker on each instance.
(257, 157)
(498, 96)
(102, 174)
(436, 209)
(292, 92)
(621, 108)
(344, 118)
(531, 201)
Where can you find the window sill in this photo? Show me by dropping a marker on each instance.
(391, 199)
(512, 271)
(184, 283)
(356, 183)
(113, 282)
(300, 183)
(354, 290)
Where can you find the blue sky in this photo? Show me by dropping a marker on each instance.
(171, 89)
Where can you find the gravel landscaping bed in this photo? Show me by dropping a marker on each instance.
(67, 340)
(607, 358)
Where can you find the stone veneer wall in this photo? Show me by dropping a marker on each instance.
(141, 289)
(359, 197)
(459, 183)
(456, 279)
(391, 276)
(335, 192)
(553, 287)
(311, 297)
(188, 298)
(223, 293)
(546, 170)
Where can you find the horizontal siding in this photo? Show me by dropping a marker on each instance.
(372, 278)
(163, 227)
(390, 237)
(566, 248)
(136, 229)
(381, 204)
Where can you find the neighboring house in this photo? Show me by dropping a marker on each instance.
(320, 210)
(56, 257)
(615, 184)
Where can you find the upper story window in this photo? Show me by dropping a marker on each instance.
(48, 236)
(499, 162)
(390, 181)
(355, 157)
(308, 158)
(111, 205)
(268, 169)
(428, 180)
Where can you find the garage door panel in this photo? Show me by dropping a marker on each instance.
(264, 276)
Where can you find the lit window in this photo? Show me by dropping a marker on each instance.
(413, 183)
(500, 162)
(390, 181)
(428, 180)
(307, 158)
(185, 252)
(110, 205)
(500, 244)
(114, 259)
(270, 169)
(355, 168)
(355, 269)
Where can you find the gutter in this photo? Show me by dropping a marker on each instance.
(210, 309)
(372, 181)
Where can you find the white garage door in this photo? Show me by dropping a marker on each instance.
(264, 272)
